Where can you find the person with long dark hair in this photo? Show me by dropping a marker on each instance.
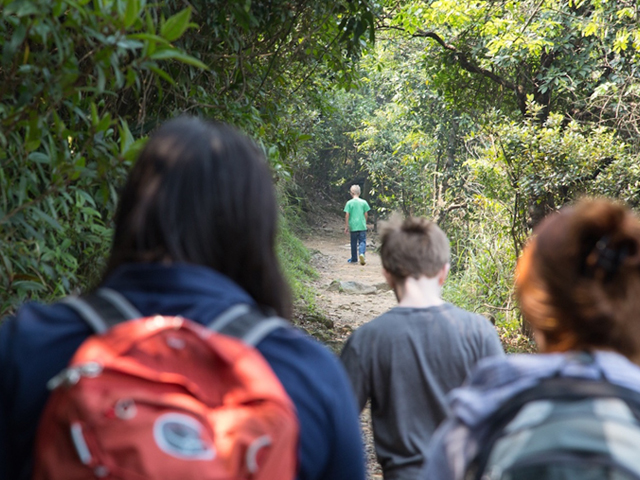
(570, 411)
(194, 235)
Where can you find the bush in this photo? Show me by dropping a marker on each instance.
(72, 75)
(295, 260)
(80, 80)
(483, 261)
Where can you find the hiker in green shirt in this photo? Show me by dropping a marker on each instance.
(356, 222)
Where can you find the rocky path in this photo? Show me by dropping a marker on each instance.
(352, 305)
(349, 295)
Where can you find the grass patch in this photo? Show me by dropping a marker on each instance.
(513, 341)
(295, 260)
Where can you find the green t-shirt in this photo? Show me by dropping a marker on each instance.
(356, 208)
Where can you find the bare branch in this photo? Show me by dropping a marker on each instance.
(530, 19)
(502, 309)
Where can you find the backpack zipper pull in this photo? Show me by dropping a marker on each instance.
(72, 375)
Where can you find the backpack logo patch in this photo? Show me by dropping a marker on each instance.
(180, 436)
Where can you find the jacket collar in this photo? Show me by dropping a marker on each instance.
(192, 291)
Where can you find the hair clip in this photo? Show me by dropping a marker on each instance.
(606, 258)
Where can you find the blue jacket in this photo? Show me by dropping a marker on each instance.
(492, 384)
(39, 341)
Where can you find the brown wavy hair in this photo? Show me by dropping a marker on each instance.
(413, 247)
(578, 280)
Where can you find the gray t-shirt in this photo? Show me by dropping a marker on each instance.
(406, 361)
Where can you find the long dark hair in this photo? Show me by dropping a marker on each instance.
(201, 193)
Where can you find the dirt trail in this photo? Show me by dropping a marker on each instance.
(330, 250)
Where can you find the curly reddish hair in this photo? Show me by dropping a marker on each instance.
(578, 280)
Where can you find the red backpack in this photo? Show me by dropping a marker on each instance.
(166, 398)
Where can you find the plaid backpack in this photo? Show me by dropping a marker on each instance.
(563, 429)
(166, 398)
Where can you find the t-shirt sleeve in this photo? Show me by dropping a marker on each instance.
(347, 208)
(366, 206)
(356, 371)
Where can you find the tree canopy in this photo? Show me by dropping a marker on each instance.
(488, 115)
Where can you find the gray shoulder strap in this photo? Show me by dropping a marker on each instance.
(228, 316)
(87, 313)
(246, 324)
(264, 328)
(103, 309)
(128, 311)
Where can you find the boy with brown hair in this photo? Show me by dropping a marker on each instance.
(407, 360)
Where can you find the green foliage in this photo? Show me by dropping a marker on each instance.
(82, 83)
(534, 169)
(295, 261)
(396, 150)
(428, 135)
(268, 60)
(499, 52)
(394, 135)
(488, 115)
(329, 159)
(514, 341)
(70, 79)
(519, 172)
(484, 115)
(483, 261)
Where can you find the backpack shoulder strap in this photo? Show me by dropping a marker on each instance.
(103, 309)
(567, 389)
(247, 324)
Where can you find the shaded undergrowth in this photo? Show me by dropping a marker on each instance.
(296, 263)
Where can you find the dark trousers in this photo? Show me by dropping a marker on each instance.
(358, 243)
